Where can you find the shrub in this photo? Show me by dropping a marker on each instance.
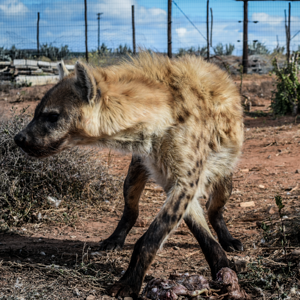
(201, 51)
(123, 50)
(224, 50)
(278, 50)
(286, 97)
(257, 48)
(76, 177)
(54, 53)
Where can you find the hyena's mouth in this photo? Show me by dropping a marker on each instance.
(41, 151)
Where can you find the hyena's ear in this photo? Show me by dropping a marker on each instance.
(85, 82)
(62, 70)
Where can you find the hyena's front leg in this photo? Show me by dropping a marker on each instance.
(146, 247)
(133, 186)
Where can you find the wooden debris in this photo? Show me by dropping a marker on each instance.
(247, 204)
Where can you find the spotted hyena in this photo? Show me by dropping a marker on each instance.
(182, 121)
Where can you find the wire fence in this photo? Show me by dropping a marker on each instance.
(62, 24)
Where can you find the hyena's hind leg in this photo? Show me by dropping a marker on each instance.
(133, 186)
(213, 252)
(218, 198)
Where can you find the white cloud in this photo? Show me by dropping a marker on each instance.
(114, 8)
(181, 32)
(13, 7)
(266, 18)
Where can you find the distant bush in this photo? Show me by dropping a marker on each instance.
(286, 97)
(201, 51)
(76, 177)
(54, 53)
(257, 48)
(224, 50)
(278, 50)
(49, 51)
(123, 50)
(13, 53)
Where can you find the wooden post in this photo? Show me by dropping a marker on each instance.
(288, 53)
(38, 34)
(211, 25)
(98, 32)
(99, 14)
(86, 37)
(170, 28)
(133, 30)
(245, 38)
(207, 28)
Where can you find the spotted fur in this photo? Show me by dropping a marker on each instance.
(182, 121)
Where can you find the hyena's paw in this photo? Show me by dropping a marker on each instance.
(232, 245)
(121, 289)
(111, 244)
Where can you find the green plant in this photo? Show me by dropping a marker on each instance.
(286, 97)
(104, 50)
(280, 206)
(257, 48)
(278, 50)
(54, 53)
(123, 50)
(220, 49)
(201, 51)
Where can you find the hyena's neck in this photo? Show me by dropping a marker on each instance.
(129, 114)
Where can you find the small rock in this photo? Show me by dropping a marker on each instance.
(269, 157)
(247, 204)
(43, 253)
(53, 201)
(245, 170)
(90, 297)
(96, 254)
(261, 186)
(272, 210)
(176, 248)
(76, 292)
(140, 223)
(128, 298)
(240, 265)
(296, 252)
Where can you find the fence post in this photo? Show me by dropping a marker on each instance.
(38, 34)
(207, 29)
(245, 38)
(170, 28)
(133, 30)
(86, 37)
(289, 35)
(211, 25)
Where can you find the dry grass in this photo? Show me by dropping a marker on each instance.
(30, 187)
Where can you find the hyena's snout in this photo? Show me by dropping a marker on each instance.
(20, 139)
(25, 142)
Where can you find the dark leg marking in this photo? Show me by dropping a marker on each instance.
(214, 205)
(133, 186)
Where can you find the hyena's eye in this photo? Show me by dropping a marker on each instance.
(52, 117)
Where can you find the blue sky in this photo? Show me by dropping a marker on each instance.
(62, 22)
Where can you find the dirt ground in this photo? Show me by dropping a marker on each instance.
(42, 261)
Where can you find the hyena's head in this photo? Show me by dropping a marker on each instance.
(54, 125)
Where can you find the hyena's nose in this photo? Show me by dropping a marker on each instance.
(20, 139)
